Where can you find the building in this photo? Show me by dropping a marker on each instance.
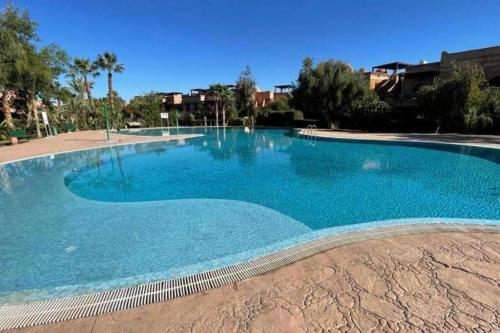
(172, 100)
(284, 90)
(196, 100)
(488, 58)
(384, 83)
(401, 86)
(375, 77)
(264, 98)
(417, 76)
(199, 99)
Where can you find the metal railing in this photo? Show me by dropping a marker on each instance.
(310, 132)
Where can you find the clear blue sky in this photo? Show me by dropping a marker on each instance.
(178, 45)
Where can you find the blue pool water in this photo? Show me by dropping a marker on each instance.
(105, 218)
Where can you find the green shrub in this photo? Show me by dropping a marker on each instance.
(329, 90)
(280, 103)
(186, 119)
(146, 108)
(372, 114)
(4, 131)
(280, 118)
(463, 102)
(237, 122)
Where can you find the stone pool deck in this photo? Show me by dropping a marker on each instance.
(441, 281)
(75, 141)
(433, 282)
(472, 140)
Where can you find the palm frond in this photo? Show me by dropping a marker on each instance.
(119, 68)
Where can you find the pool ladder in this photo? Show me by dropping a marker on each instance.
(310, 133)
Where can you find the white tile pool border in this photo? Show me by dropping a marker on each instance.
(55, 310)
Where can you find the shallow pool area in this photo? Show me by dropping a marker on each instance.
(105, 218)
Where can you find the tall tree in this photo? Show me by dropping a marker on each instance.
(73, 106)
(58, 62)
(38, 73)
(245, 90)
(329, 90)
(223, 97)
(146, 107)
(462, 102)
(77, 86)
(87, 70)
(35, 75)
(17, 32)
(108, 62)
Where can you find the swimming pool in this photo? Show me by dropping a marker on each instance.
(106, 218)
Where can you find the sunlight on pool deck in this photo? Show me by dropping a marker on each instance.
(75, 141)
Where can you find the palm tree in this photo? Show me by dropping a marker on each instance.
(77, 86)
(73, 107)
(226, 97)
(223, 96)
(214, 91)
(86, 69)
(108, 63)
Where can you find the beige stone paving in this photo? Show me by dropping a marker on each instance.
(75, 141)
(473, 140)
(441, 282)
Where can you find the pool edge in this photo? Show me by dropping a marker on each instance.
(55, 310)
(106, 145)
(301, 134)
